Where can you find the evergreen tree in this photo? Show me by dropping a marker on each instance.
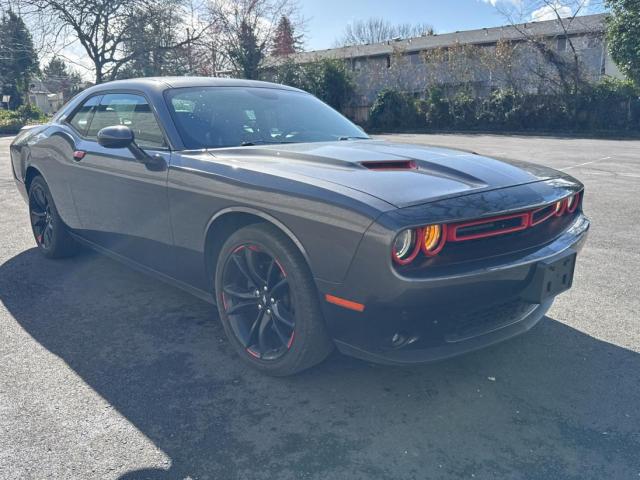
(18, 59)
(248, 54)
(58, 78)
(285, 41)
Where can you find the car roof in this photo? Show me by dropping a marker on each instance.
(164, 83)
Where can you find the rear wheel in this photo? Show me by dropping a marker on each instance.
(50, 232)
(268, 302)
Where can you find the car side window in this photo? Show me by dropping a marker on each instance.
(131, 110)
(82, 116)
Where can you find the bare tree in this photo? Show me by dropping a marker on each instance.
(377, 30)
(453, 67)
(246, 29)
(566, 71)
(105, 29)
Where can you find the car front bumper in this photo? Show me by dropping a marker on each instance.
(421, 320)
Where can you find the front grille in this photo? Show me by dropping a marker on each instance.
(515, 242)
(489, 228)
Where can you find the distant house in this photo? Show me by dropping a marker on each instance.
(412, 65)
(42, 98)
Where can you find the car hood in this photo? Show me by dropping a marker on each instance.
(438, 173)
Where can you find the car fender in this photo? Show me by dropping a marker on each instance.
(267, 217)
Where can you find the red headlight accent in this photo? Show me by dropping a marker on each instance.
(414, 252)
(572, 203)
(541, 215)
(561, 207)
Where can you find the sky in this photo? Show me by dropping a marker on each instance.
(326, 19)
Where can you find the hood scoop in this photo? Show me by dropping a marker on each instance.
(391, 165)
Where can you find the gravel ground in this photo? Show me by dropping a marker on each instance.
(108, 374)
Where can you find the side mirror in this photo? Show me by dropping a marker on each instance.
(117, 136)
(121, 136)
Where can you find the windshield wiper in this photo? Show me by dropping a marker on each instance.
(343, 139)
(261, 142)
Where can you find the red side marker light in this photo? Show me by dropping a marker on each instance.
(79, 155)
(341, 302)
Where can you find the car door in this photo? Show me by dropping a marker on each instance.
(122, 204)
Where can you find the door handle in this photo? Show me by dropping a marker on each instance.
(78, 155)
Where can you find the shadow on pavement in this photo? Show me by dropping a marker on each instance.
(555, 403)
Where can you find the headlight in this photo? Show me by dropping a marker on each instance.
(572, 203)
(433, 239)
(405, 247)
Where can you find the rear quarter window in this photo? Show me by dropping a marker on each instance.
(81, 118)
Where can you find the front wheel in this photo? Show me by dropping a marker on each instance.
(268, 302)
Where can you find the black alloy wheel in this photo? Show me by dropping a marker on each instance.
(41, 216)
(50, 232)
(257, 301)
(268, 302)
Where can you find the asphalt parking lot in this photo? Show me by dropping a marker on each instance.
(108, 374)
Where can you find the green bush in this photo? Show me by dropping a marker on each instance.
(30, 113)
(435, 109)
(393, 110)
(612, 105)
(464, 111)
(11, 121)
(10, 126)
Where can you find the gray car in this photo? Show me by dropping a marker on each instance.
(306, 233)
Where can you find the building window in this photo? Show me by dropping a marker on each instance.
(358, 64)
(414, 58)
(388, 58)
(562, 44)
(593, 42)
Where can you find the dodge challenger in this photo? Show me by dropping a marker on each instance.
(305, 233)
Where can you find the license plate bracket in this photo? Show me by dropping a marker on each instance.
(551, 278)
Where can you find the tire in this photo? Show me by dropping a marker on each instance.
(50, 232)
(261, 254)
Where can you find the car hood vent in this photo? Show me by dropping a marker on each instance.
(391, 165)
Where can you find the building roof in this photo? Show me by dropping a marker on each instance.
(550, 28)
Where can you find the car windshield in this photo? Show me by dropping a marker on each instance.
(216, 117)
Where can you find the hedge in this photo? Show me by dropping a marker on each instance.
(11, 121)
(609, 106)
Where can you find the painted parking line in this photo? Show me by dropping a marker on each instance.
(585, 163)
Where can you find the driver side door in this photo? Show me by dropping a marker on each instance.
(122, 204)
